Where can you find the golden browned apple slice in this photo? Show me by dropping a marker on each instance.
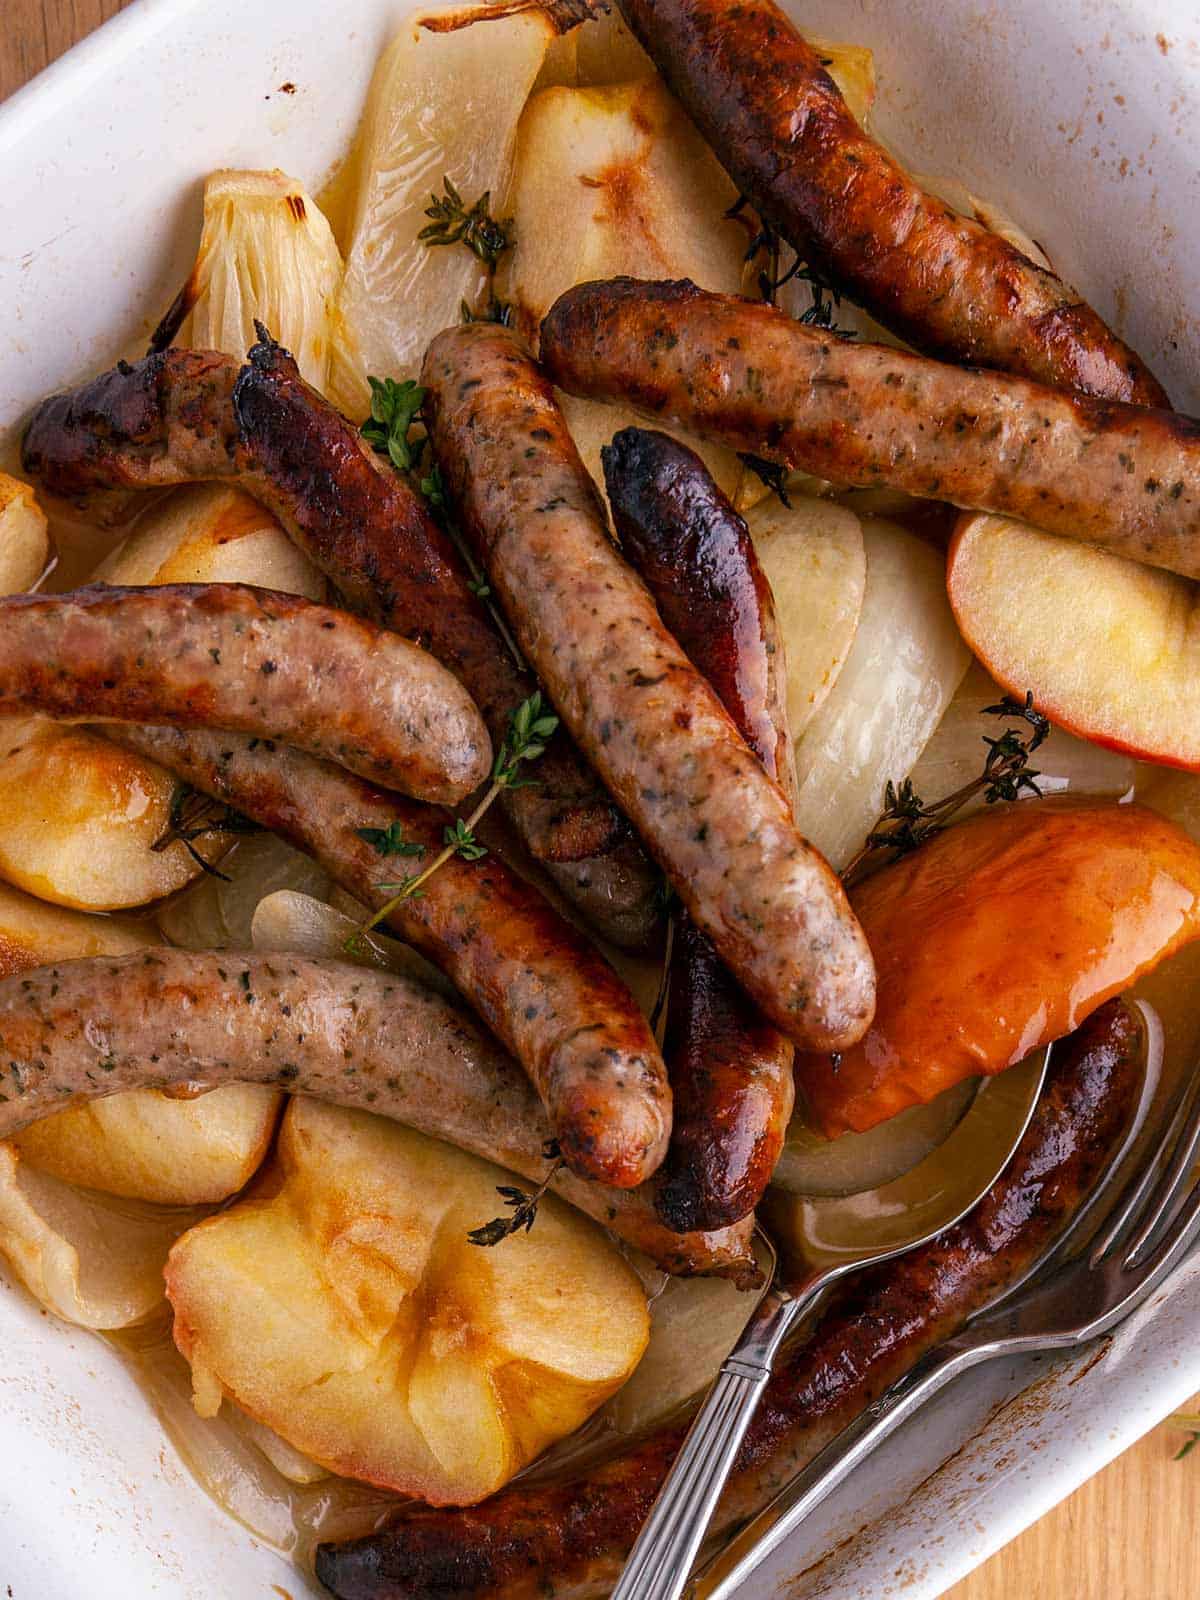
(349, 1312)
(1110, 648)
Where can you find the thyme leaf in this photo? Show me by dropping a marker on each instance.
(394, 409)
(770, 473)
(454, 222)
(460, 836)
(390, 841)
(195, 816)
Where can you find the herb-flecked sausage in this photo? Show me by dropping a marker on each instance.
(1124, 477)
(760, 95)
(82, 1029)
(730, 1070)
(541, 987)
(657, 734)
(566, 1539)
(228, 655)
(186, 415)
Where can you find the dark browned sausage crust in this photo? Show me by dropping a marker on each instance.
(663, 743)
(83, 1029)
(227, 655)
(777, 121)
(1120, 476)
(186, 415)
(567, 1540)
(539, 985)
(730, 1071)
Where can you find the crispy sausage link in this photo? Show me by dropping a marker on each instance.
(730, 1071)
(185, 415)
(1120, 476)
(83, 1029)
(228, 655)
(539, 985)
(567, 1540)
(655, 731)
(759, 94)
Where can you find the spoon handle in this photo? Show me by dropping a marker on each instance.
(661, 1560)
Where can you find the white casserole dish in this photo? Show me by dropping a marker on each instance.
(1073, 114)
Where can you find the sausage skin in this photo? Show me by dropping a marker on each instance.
(228, 655)
(757, 91)
(83, 1029)
(661, 740)
(541, 987)
(567, 1540)
(730, 1071)
(1120, 476)
(186, 415)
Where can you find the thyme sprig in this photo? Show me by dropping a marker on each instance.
(765, 246)
(394, 409)
(524, 1205)
(195, 816)
(390, 841)
(530, 728)
(908, 822)
(452, 222)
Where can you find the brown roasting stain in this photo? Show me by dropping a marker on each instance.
(287, 88)
(295, 205)
(1163, 43)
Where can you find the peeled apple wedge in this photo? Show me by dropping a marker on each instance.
(24, 540)
(89, 1260)
(904, 666)
(349, 1312)
(441, 105)
(1110, 648)
(615, 180)
(998, 936)
(816, 563)
(78, 815)
(266, 253)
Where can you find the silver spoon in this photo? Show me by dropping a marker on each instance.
(812, 1244)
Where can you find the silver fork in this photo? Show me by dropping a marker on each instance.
(1073, 1295)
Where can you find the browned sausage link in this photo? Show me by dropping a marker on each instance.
(539, 985)
(1119, 476)
(567, 1540)
(186, 415)
(381, 1043)
(657, 734)
(761, 97)
(228, 655)
(730, 1071)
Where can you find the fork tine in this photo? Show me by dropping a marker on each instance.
(1180, 1235)
(1176, 1147)
(1179, 1167)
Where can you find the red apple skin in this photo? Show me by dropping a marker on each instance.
(998, 936)
(1060, 708)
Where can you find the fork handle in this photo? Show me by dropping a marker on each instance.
(733, 1565)
(661, 1560)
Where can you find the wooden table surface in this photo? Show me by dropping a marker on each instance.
(1129, 1534)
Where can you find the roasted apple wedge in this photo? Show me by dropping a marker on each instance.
(1110, 648)
(999, 935)
(348, 1310)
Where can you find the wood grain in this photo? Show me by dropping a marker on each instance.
(1129, 1534)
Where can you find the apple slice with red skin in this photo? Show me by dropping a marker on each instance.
(1109, 648)
(999, 935)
